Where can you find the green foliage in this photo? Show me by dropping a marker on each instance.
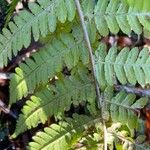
(120, 138)
(49, 61)
(139, 4)
(129, 66)
(88, 9)
(114, 15)
(74, 131)
(73, 90)
(40, 20)
(123, 107)
(63, 135)
(59, 76)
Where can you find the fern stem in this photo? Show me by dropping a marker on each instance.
(87, 40)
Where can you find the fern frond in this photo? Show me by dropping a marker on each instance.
(123, 107)
(127, 66)
(72, 90)
(64, 51)
(62, 136)
(42, 18)
(113, 15)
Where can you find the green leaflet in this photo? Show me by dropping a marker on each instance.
(139, 4)
(115, 15)
(129, 70)
(42, 18)
(88, 8)
(71, 90)
(139, 104)
(123, 107)
(114, 109)
(107, 96)
(100, 20)
(61, 11)
(71, 9)
(108, 67)
(110, 20)
(127, 66)
(120, 72)
(123, 113)
(46, 64)
(100, 55)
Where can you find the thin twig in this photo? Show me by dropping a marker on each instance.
(6, 110)
(137, 91)
(4, 76)
(87, 40)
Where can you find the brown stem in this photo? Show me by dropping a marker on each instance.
(137, 91)
(23, 54)
(6, 110)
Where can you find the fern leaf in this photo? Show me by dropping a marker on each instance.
(70, 9)
(42, 18)
(114, 109)
(107, 95)
(108, 68)
(100, 55)
(127, 66)
(140, 103)
(115, 15)
(63, 135)
(88, 8)
(122, 107)
(123, 113)
(41, 106)
(45, 64)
